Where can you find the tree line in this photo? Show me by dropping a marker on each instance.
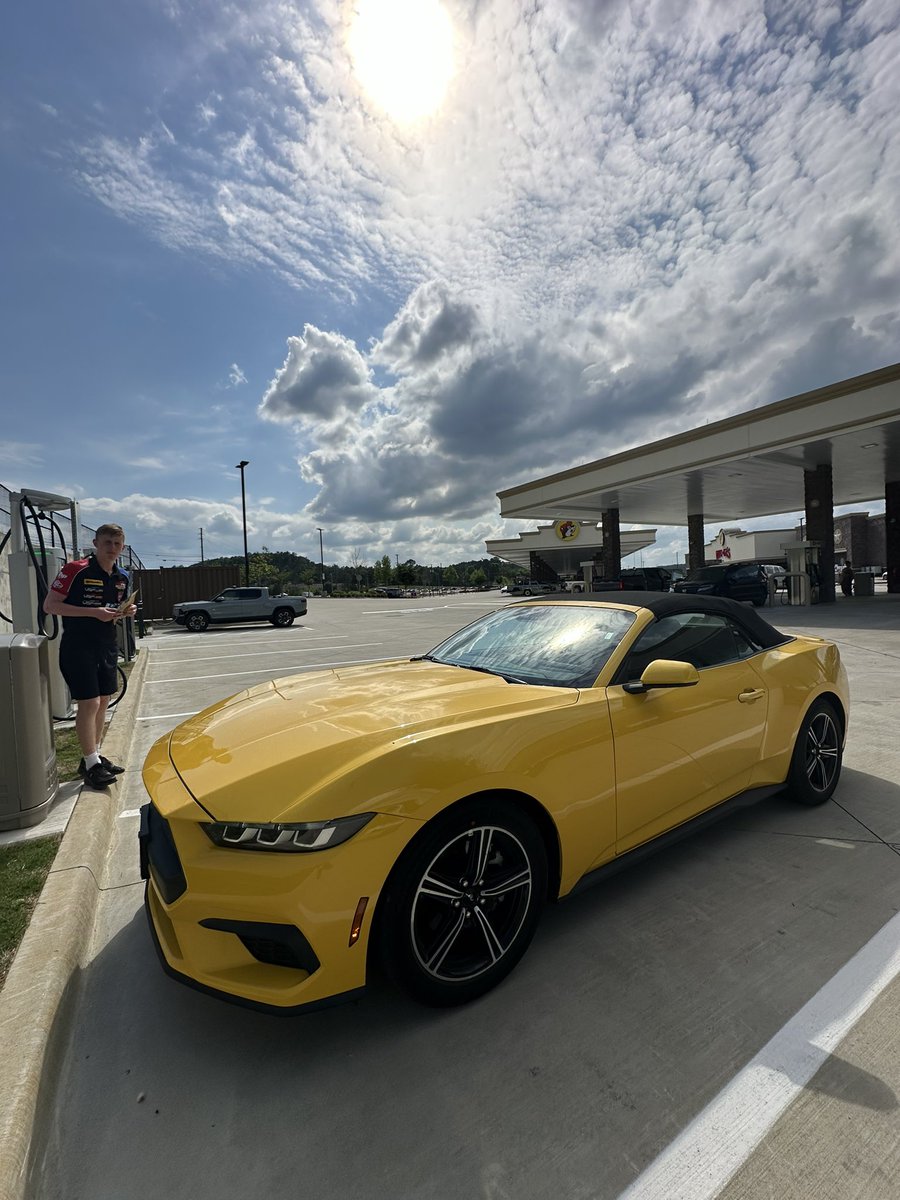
(284, 571)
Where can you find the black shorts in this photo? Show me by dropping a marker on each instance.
(89, 670)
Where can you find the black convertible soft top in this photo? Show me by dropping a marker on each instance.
(663, 604)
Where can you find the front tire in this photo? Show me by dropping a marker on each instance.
(283, 617)
(818, 754)
(464, 902)
(197, 622)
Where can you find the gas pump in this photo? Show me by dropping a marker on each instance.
(33, 565)
(802, 578)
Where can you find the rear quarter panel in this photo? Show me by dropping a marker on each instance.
(795, 675)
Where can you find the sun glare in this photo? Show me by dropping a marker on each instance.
(403, 54)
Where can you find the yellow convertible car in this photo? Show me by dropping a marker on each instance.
(424, 810)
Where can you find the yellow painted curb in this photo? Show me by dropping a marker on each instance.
(36, 1000)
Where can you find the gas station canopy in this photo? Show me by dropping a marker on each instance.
(565, 546)
(749, 465)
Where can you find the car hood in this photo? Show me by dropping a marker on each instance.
(264, 754)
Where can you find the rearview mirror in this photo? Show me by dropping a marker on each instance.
(664, 673)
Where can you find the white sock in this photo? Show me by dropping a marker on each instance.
(91, 760)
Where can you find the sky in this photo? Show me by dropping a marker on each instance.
(400, 254)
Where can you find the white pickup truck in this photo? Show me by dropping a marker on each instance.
(239, 604)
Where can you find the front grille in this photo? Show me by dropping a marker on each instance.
(160, 856)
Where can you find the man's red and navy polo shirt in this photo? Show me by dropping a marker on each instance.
(84, 583)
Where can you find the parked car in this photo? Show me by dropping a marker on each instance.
(390, 593)
(421, 811)
(636, 579)
(737, 581)
(776, 572)
(239, 604)
(532, 587)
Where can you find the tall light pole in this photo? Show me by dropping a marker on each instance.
(322, 559)
(244, 463)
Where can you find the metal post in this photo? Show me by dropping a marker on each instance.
(322, 559)
(244, 463)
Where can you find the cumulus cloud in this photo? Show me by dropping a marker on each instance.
(324, 379)
(620, 225)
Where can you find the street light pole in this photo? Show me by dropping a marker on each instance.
(322, 559)
(244, 463)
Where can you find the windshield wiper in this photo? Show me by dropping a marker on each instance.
(488, 671)
(446, 662)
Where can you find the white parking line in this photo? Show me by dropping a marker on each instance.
(702, 1159)
(194, 638)
(293, 650)
(350, 662)
(170, 716)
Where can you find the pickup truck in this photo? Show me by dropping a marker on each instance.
(239, 604)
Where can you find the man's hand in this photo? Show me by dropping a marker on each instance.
(106, 614)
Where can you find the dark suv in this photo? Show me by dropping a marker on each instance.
(739, 581)
(636, 579)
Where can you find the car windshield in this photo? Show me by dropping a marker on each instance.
(705, 574)
(559, 645)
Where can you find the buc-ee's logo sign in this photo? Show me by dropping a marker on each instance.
(567, 531)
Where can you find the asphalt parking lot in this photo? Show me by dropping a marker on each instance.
(641, 1003)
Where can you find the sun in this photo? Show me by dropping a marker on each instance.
(402, 51)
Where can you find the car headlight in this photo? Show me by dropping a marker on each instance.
(308, 835)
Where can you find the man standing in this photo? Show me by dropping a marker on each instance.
(86, 594)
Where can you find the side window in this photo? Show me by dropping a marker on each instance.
(229, 594)
(747, 573)
(701, 639)
(247, 593)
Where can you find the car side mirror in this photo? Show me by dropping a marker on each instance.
(217, 599)
(663, 673)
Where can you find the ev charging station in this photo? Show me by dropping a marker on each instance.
(32, 689)
(32, 568)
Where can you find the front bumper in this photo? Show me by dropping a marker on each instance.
(269, 931)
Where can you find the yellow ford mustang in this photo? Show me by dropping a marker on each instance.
(425, 809)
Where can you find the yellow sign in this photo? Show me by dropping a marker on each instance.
(567, 531)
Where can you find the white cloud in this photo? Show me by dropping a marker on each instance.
(624, 222)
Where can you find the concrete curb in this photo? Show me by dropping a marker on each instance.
(36, 1000)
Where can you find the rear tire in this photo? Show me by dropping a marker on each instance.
(462, 906)
(196, 622)
(283, 617)
(818, 754)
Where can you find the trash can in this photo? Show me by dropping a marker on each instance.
(863, 583)
(28, 773)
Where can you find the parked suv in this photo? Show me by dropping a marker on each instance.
(636, 579)
(739, 581)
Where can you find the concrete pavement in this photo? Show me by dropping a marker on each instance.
(818, 1127)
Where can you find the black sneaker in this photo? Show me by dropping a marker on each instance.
(106, 764)
(98, 777)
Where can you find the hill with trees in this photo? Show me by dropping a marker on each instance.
(284, 571)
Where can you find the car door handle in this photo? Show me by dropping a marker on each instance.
(749, 696)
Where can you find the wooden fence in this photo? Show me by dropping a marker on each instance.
(166, 586)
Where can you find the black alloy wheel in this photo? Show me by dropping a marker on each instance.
(464, 903)
(197, 622)
(282, 617)
(818, 753)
